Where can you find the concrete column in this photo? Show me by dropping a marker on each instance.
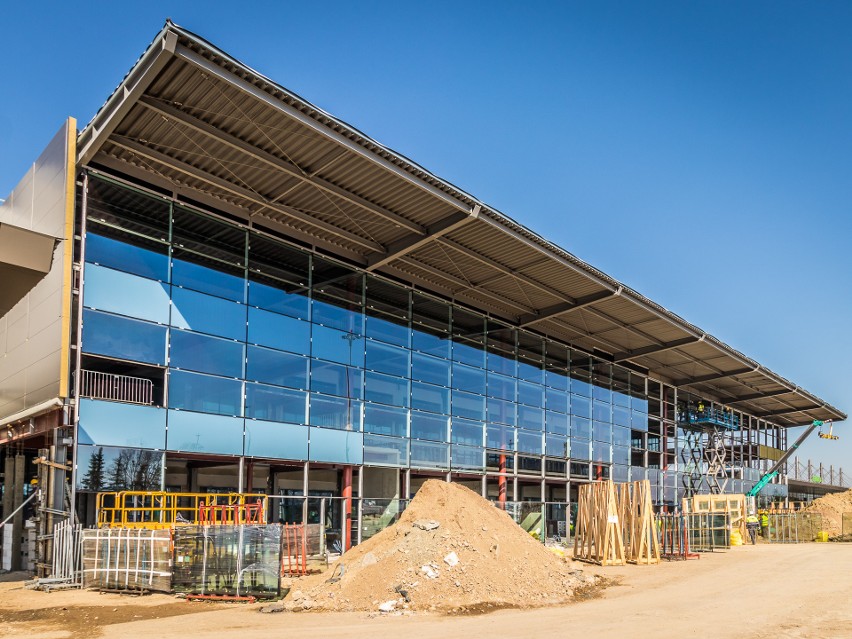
(18, 519)
(8, 485)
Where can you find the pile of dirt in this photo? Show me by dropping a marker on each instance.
(450, 551)
(832, 507)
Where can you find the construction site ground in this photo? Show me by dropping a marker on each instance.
(758, 591)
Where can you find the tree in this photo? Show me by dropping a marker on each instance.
(94, 477)
(135, 470)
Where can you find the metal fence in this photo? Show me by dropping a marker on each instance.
(119, 388)
(793, 527)
(127, 559)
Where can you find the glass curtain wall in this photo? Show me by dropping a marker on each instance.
(270, 351)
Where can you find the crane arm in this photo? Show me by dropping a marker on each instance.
(776, 467)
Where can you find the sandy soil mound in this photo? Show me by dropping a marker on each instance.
(475, 559)
(832, 507)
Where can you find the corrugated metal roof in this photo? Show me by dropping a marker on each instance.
(191, 119)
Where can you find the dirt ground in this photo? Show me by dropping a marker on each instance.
(755, 591)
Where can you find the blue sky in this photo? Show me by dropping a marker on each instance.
(700, 152)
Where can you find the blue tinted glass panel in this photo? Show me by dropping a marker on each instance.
(430, 369)
(556, 446)
(502, 387)
(581, 406)
(275, 367)
(196, 352)
(467, 405)
(337, 446)
(601, 431)
(600, 411)
(580, 449)
(125, 294)
(335, 412)
(581, 427)
(530, 394)
(556, 423)
(280, 301)
(556, 379)
(500, 437)
(619, 473)
(601, 452)
(529, 442)
(337, 346)
(348, 318)
(620, 436)
(190, 391)
(438, 345)
(468, 354)
(601, 393)
(385, 451)
(116, 424)
(502, 411)
(530, 418)
(431, 398)
(469, 379)
(639, 421)
(556, 400)
(386, 331)
(466, 432)
(208, 280)
(276, 441)
(336, 379)
(386, 389)
(639, 404)
(275, 404)
(207, 314)
(620, 416)
(428, 426)
(279, 331)
(384, 420)
(620, 399)
(387, 359)
(467, 458)
(199, 433)
(430, 454)
(123, 338)
(126, 257)
(581, 387)
(503, 364)
(530, 372)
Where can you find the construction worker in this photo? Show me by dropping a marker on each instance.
(764, 524)
(752, 525)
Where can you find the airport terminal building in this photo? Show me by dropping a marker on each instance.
(225, 288)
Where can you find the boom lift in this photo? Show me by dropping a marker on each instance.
(776, 468)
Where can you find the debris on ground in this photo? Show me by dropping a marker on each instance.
(831, 507)
(450, 551)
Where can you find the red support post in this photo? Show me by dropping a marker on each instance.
(347, 506)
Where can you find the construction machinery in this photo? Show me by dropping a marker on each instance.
(776, 467)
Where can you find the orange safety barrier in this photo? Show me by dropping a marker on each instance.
(232, 514)
(294, 558)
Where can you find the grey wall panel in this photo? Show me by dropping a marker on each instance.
(34, 333)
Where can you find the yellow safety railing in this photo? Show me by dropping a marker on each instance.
(147, 509)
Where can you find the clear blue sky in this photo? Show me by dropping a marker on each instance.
(701, 152)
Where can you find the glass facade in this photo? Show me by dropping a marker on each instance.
(267, 350)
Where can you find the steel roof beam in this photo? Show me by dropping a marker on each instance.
(414, 241)
(648, 350)
(785, 411)
(200, 126)
(564, 308)
(240, 191)
(710, 377)
(753, 396)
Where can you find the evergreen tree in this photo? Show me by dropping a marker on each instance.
(94, 477)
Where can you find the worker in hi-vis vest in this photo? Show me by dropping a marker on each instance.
(752, 525)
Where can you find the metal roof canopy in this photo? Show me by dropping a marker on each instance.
(194, 121)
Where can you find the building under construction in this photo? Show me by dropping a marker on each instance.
(215, 286)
